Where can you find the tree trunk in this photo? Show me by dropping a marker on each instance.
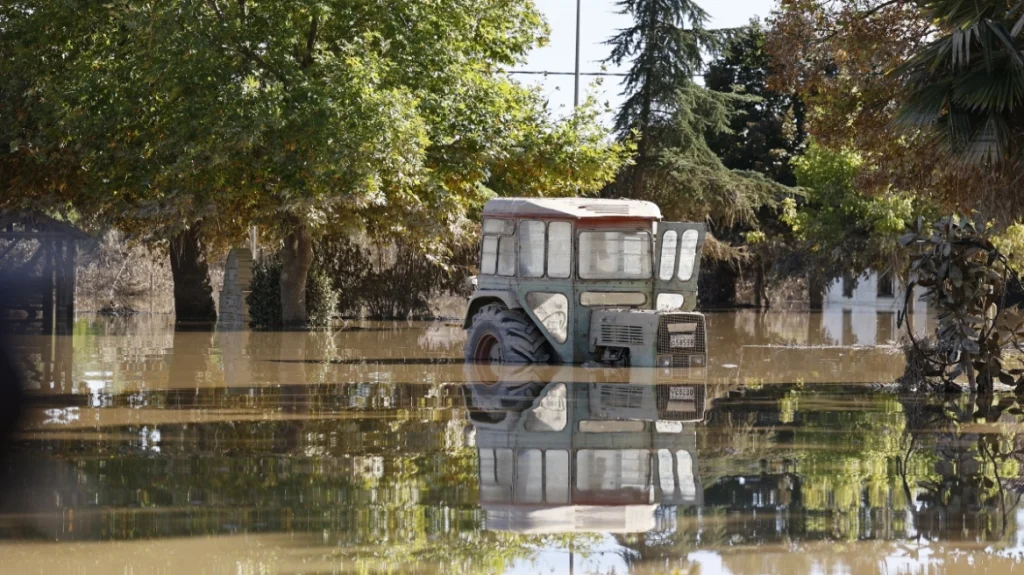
(193, 296)
(296, 259)
(815, 292)
(760, 289)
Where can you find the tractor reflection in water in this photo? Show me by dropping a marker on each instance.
(557, 454)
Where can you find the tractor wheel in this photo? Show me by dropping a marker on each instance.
(502, 335)
(501, 391)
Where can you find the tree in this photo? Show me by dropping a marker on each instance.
(672, 116)
(964, 91)
(667, 44)
(301, 117)
(765, 133)
(865, 71)
(843, 232)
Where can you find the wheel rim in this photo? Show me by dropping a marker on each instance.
(488, 350)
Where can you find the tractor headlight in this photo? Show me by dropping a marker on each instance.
(696, 361)
(664, 361)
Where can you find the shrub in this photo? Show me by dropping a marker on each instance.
(321, 298)
(264, 297)
(965, 278)
(403, 288)
(346, 264)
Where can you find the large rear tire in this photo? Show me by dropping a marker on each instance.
(501, 391)
(505, 336)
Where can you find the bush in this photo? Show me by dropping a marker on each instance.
(392, 280)
(346, 265)
(965, 278)
(389, 280)
(403, 289)
(264, 297)
(321, 298)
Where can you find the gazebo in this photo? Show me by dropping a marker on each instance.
(37, 271)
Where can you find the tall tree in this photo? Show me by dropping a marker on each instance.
(885, 78)
(673, 117)
(964, 90)
(764, 133)
(666, 45)
(303, 116)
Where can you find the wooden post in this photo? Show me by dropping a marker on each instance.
(46, 284)
(72, 279)
(64, 255)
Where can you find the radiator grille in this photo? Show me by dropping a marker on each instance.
(682, 326)
(669, 408)
(622, 396)
(612, 335)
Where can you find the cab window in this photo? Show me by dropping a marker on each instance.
(498, 252)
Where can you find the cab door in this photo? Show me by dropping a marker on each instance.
(677, 265)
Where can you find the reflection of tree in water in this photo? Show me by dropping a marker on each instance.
(967, 468)
(795, 465)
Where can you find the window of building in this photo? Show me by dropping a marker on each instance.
(885, 285)
(849, 284)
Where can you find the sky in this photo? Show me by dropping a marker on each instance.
(599, 21)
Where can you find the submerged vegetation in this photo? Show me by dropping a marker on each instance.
(966, 280)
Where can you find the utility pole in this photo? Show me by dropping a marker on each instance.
(576, 88)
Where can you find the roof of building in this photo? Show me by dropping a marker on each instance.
(574, 208)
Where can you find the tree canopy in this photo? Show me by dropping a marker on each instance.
(672, 115)
(911, 86)
(293, 116)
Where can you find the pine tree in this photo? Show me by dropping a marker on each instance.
(672, 115)
(667, 45)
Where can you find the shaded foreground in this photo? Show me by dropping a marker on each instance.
(376, 450)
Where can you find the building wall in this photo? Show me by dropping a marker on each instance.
(863, 317)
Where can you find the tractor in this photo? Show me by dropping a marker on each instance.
(586, 281)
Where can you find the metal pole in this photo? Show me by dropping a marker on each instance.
(576, 87)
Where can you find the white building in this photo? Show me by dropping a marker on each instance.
(864, 312)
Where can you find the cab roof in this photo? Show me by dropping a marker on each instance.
(572, 208)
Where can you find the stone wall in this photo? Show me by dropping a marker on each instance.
(234, 311)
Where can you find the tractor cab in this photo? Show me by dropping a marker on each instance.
(576, 280)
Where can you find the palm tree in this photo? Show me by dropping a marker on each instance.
(966, 87)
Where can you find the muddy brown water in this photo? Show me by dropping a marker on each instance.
(374, 449)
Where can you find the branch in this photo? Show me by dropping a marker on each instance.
(216, 8)
(877, 9)
(259, 61)
(314, 25)
(862, 16)
(242, 50)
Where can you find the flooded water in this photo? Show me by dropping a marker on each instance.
(374, 449)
